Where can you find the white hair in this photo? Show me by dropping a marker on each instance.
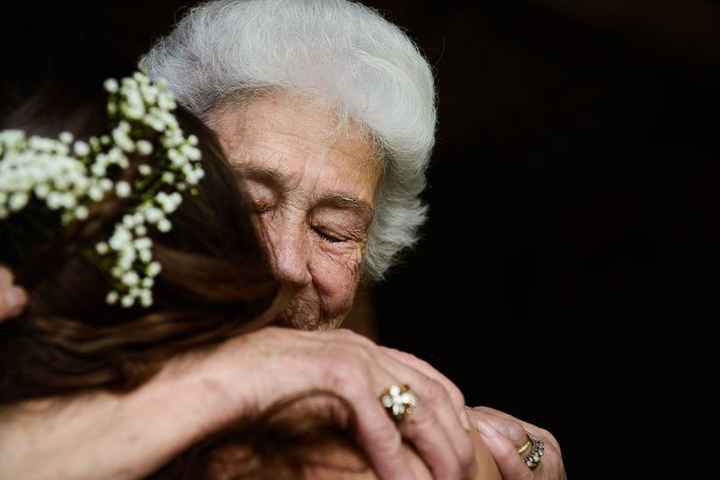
(341, 51)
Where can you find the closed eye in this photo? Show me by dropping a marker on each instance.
(327, 236)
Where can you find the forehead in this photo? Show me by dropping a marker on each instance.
(302, 141)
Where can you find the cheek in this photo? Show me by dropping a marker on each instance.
(336, 277)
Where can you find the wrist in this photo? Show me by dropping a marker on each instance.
(201, 390)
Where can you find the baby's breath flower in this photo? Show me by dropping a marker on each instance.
(164, 225)
(102, 248)
(112, 298)
(81, 212)
(111, 85)
(66, 138)
(122, 189)
(95, 193)
(153, 269)
(81, 149)
(18, 201)
(144, 147)
(131, 279)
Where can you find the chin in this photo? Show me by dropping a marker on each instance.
(304, 320)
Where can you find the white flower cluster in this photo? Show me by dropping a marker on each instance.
(49, 170)
(134, 269)
(70, 176)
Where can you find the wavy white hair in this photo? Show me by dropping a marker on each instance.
(341, 51)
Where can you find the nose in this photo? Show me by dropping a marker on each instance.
(289, 254)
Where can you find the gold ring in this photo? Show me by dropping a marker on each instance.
(528, 445)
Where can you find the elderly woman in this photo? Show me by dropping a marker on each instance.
(327, 112)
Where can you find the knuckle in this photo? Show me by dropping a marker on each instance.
(422, 422)
(457, 396)
(348, 374)
(435, 392)
(476, 414)
(480, 410)
(515, 430)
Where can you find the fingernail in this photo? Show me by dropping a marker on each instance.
(15, 299)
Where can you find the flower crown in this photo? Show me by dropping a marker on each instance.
(70, 176)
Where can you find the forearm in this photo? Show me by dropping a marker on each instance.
(67, 438)
(111, 436)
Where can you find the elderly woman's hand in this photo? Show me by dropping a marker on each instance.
(504, 434)
(256, 370)
(201, 392)
(12, 298)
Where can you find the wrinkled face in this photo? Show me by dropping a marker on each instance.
(313, 188)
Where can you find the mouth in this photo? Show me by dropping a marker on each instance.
(299, 314)
(297, 318)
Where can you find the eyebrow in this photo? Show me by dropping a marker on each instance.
(267, 176)
(345, 202)
(279, 182)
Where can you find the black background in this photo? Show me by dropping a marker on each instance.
(570, 256)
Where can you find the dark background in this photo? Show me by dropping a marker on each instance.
(571, 248)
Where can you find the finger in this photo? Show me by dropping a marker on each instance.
(425, 430)
(434, 426)
(430, 427)
(508, 461)
(456, 396)
(509, 428)
(552, 465)
(417, 464)
(359, 378)
(538, 432)
(382, 439)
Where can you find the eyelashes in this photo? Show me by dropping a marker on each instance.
(328, 237)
